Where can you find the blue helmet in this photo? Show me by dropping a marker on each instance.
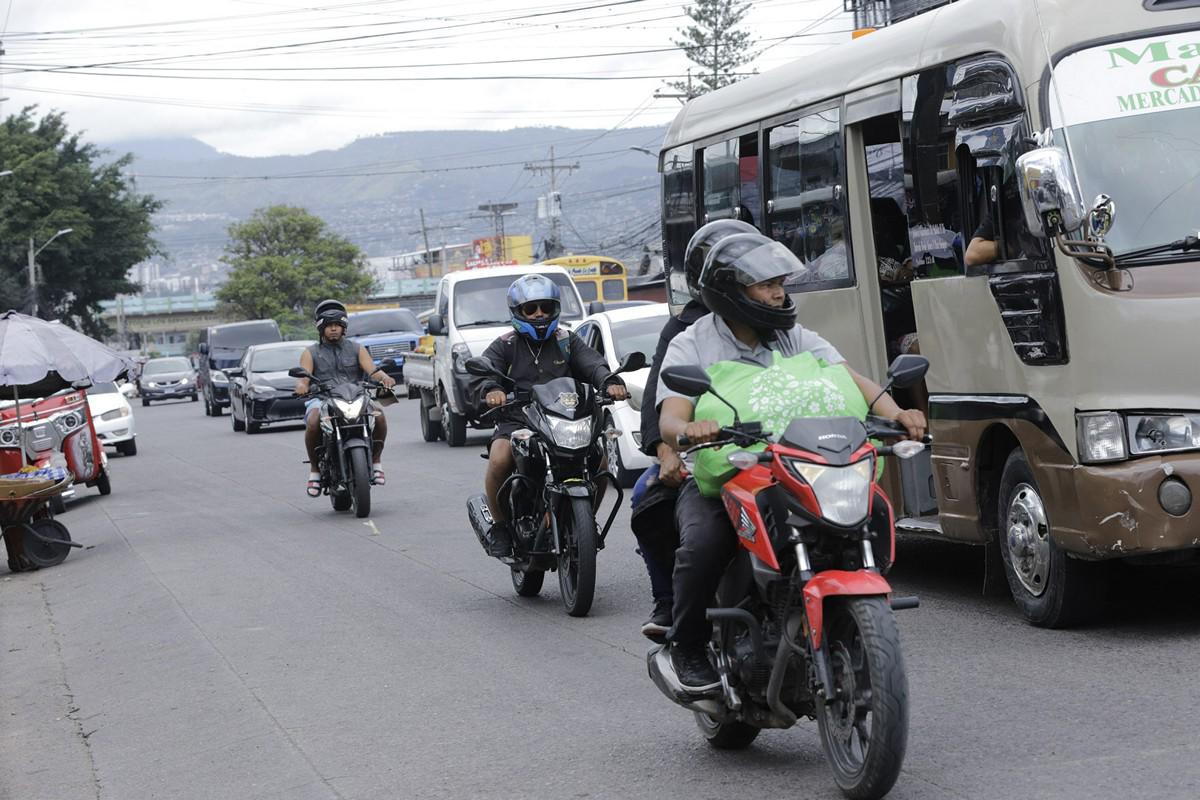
(529, 289)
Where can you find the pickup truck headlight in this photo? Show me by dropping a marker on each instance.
(262, 390)
(1162, 433)
(217, 377)
(460, 353)
(1100, 437)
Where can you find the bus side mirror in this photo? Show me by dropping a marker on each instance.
(1049, 191)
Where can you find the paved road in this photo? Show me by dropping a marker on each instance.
(223, 636)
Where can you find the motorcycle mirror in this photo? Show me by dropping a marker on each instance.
(907, 370)
(480, 367)
(633, 362)
(388, 362)
(690, 380)
(299, 372)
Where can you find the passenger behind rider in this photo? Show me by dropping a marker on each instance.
(653, 517)
(536, 351)
(337, 359)
(753, 319)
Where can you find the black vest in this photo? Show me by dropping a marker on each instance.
(336, 362)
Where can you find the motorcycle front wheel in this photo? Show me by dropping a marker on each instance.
(360, 482)
(577, 561)
(864, 726)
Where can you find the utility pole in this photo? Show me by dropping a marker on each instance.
(682, 97)
(425, 236)
(498, 211)
(554, 202)
(33, 292)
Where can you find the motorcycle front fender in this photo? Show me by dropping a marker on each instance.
(838, 583)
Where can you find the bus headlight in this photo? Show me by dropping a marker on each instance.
(1100, 437)
(1162, 433)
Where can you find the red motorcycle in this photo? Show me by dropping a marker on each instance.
(802, 621)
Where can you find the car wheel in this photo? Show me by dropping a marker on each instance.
(194, 398)
(238, 425)
(454, 426)
(103, 483)
(253, 427)
(612, 448)
(145, 402)
(127, 448)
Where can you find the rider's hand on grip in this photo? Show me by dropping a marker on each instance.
(700, 432)
(495, 398)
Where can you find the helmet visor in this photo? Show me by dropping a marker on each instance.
(768, 262)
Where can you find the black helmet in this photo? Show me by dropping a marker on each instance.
(743, 260)
(693, 259)
(330, 311)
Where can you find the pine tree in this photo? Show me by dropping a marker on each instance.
(715, 44)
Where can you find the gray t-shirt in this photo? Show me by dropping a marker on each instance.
(709, 340)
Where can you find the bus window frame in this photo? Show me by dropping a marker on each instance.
(794, 115)
(700, 146)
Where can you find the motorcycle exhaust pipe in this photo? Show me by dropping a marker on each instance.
(481, 520)
(903, 603)
(658, 664)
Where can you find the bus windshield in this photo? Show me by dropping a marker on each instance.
(1128, 113)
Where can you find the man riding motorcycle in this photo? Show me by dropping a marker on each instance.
(653, 517)
(536, 351)
(751, 332)
(335, 358)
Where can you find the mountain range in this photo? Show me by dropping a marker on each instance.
(373, 190)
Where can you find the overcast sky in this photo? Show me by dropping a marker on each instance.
(267, 77)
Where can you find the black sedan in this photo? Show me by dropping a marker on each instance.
(167, 379)
(260, 390)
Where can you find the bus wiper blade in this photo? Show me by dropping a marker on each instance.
(1184, 245)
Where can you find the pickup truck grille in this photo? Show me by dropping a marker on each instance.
(391, 350)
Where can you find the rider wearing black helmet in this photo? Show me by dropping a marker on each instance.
(334, 357)
(752, 331)
(653, 516)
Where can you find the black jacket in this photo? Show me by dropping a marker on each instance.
(675, 326)
(529, 364)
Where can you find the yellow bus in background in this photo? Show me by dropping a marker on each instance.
(596, 277)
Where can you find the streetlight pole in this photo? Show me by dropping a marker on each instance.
(33, 276)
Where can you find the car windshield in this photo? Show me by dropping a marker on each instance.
(400, 320)
(243, 335)
(162, 366)
(484, 301)
(102, 388)
(276, 359)
(637, 335)
(1127, 113)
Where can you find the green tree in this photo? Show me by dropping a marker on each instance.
(283, 261)
(715, 44)
(58, 182)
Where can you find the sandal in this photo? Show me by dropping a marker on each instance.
(313, 487)
(377, 476)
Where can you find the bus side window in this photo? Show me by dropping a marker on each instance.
(935, 232)
(613, 289)
(806, 207)
(679, 196)
(721, 175)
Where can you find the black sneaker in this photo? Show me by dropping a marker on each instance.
(655, 629)
(692, 667)
(501, 537)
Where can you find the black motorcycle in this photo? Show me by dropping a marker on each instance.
(344, 454)
(551, 496)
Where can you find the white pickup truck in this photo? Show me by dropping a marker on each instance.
(470, 311)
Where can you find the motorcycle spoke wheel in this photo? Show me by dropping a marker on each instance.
(864, 726)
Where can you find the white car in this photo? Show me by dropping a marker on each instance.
(113, 417)
(616, 334)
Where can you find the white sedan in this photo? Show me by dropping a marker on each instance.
(113, 417)
(616, 334)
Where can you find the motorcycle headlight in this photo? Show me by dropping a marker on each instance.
(217, 377)
(459, 354)
(349, 410)
(68, 422)
(1099, 437)
(1162, 433)
(844, 493)
(10, 437)
(571, 434)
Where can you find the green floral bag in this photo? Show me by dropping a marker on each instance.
(793, 386)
